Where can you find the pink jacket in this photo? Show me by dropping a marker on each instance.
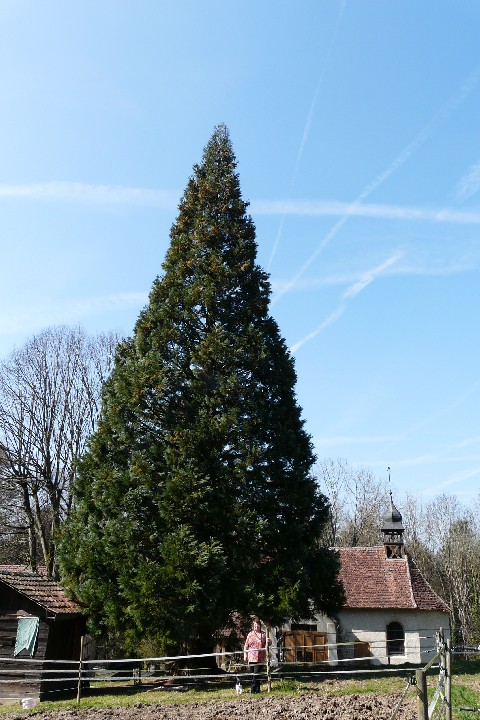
(254, 648)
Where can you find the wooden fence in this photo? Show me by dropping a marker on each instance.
(171, 671)
(440, 706)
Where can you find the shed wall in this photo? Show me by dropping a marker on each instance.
(17, 678)
(58, 639)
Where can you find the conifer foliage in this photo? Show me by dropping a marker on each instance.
(195, 498)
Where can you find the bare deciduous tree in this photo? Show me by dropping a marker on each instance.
(333, 477)
(452, 531)
(357, 500)
(49, 403)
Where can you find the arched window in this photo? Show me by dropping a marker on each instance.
(395, 639)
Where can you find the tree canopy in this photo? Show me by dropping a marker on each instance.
(195, 499)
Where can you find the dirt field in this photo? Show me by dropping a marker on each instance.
(307, 706)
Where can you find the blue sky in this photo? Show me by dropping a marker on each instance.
(356, 127)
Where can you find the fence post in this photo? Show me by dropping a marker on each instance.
(422, 700)
(448, 679)
(269, 676)
(79, 687)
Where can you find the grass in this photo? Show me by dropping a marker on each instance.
(465, 691)
(466, 688)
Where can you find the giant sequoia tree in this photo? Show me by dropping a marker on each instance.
(195, 498)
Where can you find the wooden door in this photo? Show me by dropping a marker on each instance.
(305, 647)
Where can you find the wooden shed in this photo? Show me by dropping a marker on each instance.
(38, 622)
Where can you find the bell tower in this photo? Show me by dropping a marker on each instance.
(392, 532)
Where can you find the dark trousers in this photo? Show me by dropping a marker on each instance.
(255, 668)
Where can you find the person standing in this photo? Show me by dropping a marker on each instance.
(254, 652)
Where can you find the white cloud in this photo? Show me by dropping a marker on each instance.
(418, 460)
(352, 440)
(460, 476)
(28, 320)
(469, 184)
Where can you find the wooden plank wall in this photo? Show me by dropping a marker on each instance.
(58, 639)
(22, 671)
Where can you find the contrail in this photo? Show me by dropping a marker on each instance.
(455, 101)
(92, 194)
(338, 208)
(431, 418)
(351, 292)
(368, 277)
(330, 320)
(469, 184)
(308, 123)
(30, 320)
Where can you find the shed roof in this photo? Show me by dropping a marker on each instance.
(373, 581)
(46, 593)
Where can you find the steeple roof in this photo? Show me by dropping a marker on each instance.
(393, 519)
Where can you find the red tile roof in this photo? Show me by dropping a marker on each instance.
(38, 588)
(371, 580)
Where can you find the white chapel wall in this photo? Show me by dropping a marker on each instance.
(369, 626)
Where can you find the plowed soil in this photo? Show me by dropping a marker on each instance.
(306, 706)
